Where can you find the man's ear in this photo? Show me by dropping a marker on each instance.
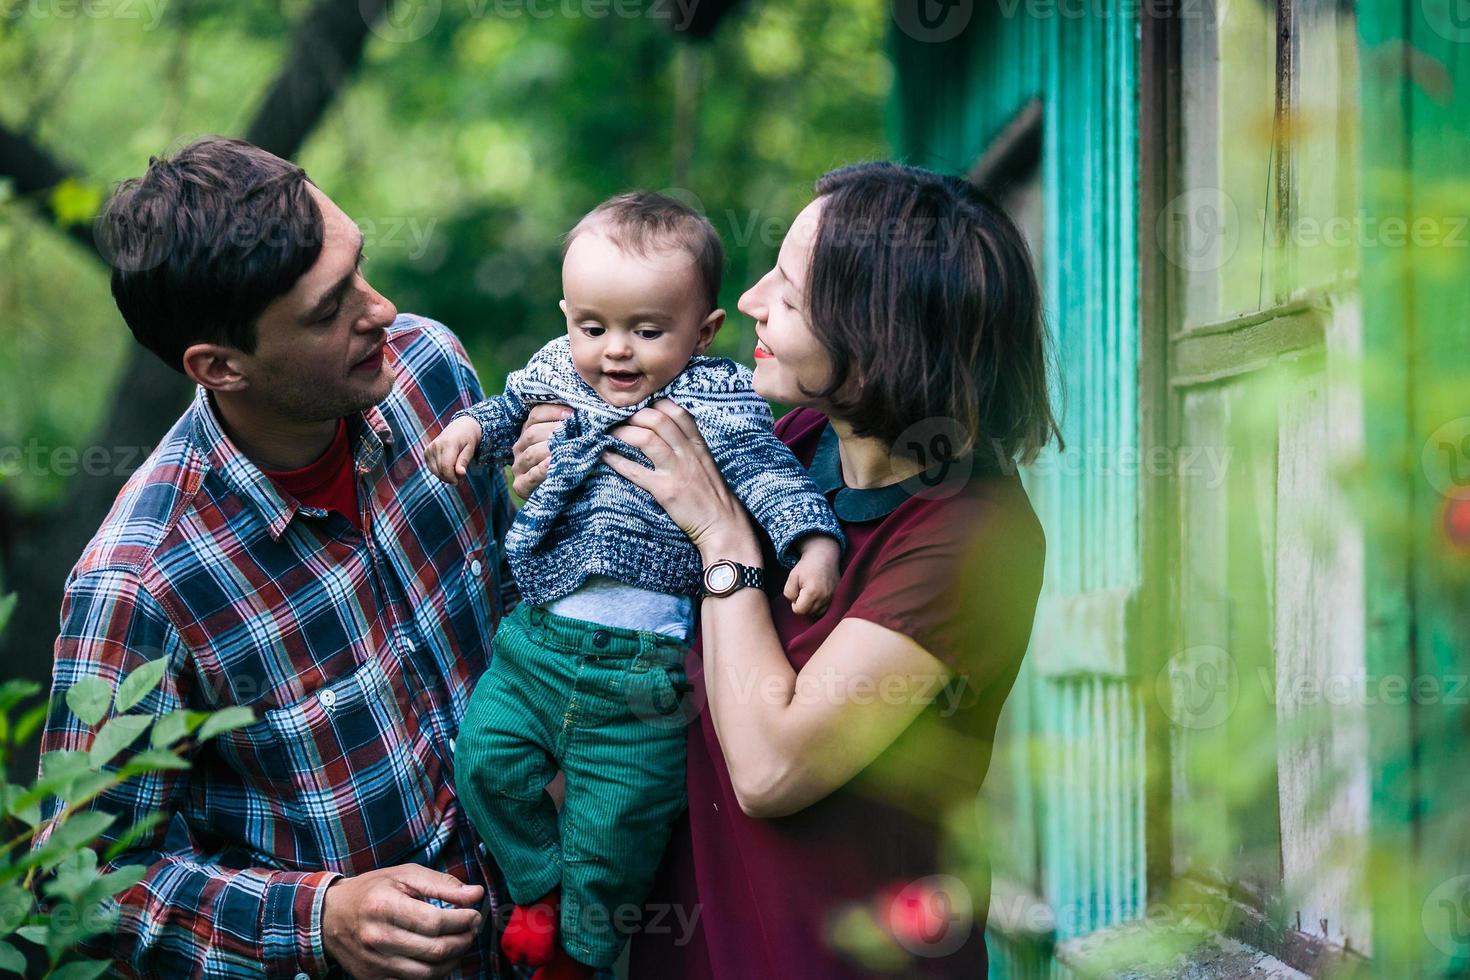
(708, 329)
(216, 367)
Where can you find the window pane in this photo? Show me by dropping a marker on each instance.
(1327, 229)
(1228, 103)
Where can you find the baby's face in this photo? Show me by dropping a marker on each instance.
(634, 321)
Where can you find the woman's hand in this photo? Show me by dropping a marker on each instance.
(530, 455)
(686, 482)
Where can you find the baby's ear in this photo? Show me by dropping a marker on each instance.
(708, 329)
(563, 305)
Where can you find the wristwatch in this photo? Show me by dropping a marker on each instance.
(726, 576)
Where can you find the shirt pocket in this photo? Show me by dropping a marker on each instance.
(458, 619)
(360, 771)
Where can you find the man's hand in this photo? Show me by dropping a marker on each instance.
(377, 924)
(531, 456)
(450, 453)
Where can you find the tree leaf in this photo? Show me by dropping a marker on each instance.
(29, 722)
(130, 836)
(74, 875)
(151, 760)
(7, 606)
(116, 735)
(225, 720)
(175, 725)
(28, 813)
(12, 692)
(140, 683)
(33, 934)
(75, 202)
(120, 880)
(80, 829)
(11, 959)
(89, 699)
(62, 762)
(86, 784)
(80, 970)
(15, 904)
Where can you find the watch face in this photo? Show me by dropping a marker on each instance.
(721, 578)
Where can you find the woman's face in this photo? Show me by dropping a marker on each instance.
(788, 356)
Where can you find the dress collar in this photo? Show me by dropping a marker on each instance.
(851, 504)
(856, 506)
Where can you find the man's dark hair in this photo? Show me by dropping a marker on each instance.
(204, 241)
(924, 294)
(640, 221)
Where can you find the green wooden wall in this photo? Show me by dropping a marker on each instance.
(1416, 316)
(1068, 777)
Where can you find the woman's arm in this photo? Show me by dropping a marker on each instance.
(788, 738)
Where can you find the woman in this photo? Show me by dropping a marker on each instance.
(831, 829)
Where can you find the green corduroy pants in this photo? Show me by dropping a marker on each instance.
(608, 707)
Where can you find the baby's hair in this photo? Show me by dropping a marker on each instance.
(639, 222)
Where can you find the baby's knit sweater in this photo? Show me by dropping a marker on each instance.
(585, 519)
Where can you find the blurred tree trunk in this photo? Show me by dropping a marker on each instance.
(40, 551)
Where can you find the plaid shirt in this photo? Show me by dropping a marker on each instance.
(358, 653)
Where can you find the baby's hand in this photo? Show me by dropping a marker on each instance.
(450, 453)
(811, 583)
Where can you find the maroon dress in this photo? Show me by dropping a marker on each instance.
(884, 877)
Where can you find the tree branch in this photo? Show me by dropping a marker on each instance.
(326, 48)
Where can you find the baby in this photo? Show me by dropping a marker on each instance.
(587, 671)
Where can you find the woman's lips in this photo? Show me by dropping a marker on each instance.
(761, 351)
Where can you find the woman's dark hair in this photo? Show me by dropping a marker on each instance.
(923, 292)
(203, 242)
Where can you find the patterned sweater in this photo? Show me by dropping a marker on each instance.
(585, 519)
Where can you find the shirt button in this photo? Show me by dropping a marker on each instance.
(328, 699)
(484, 851)
(451, 746)
(476, 567)
(302, 976)
(600, 639)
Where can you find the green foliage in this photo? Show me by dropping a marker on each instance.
(465, 155)
(56, 858)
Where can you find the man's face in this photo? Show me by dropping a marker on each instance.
(319, 347)
(633, 321)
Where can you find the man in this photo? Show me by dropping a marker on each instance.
(286, 548)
